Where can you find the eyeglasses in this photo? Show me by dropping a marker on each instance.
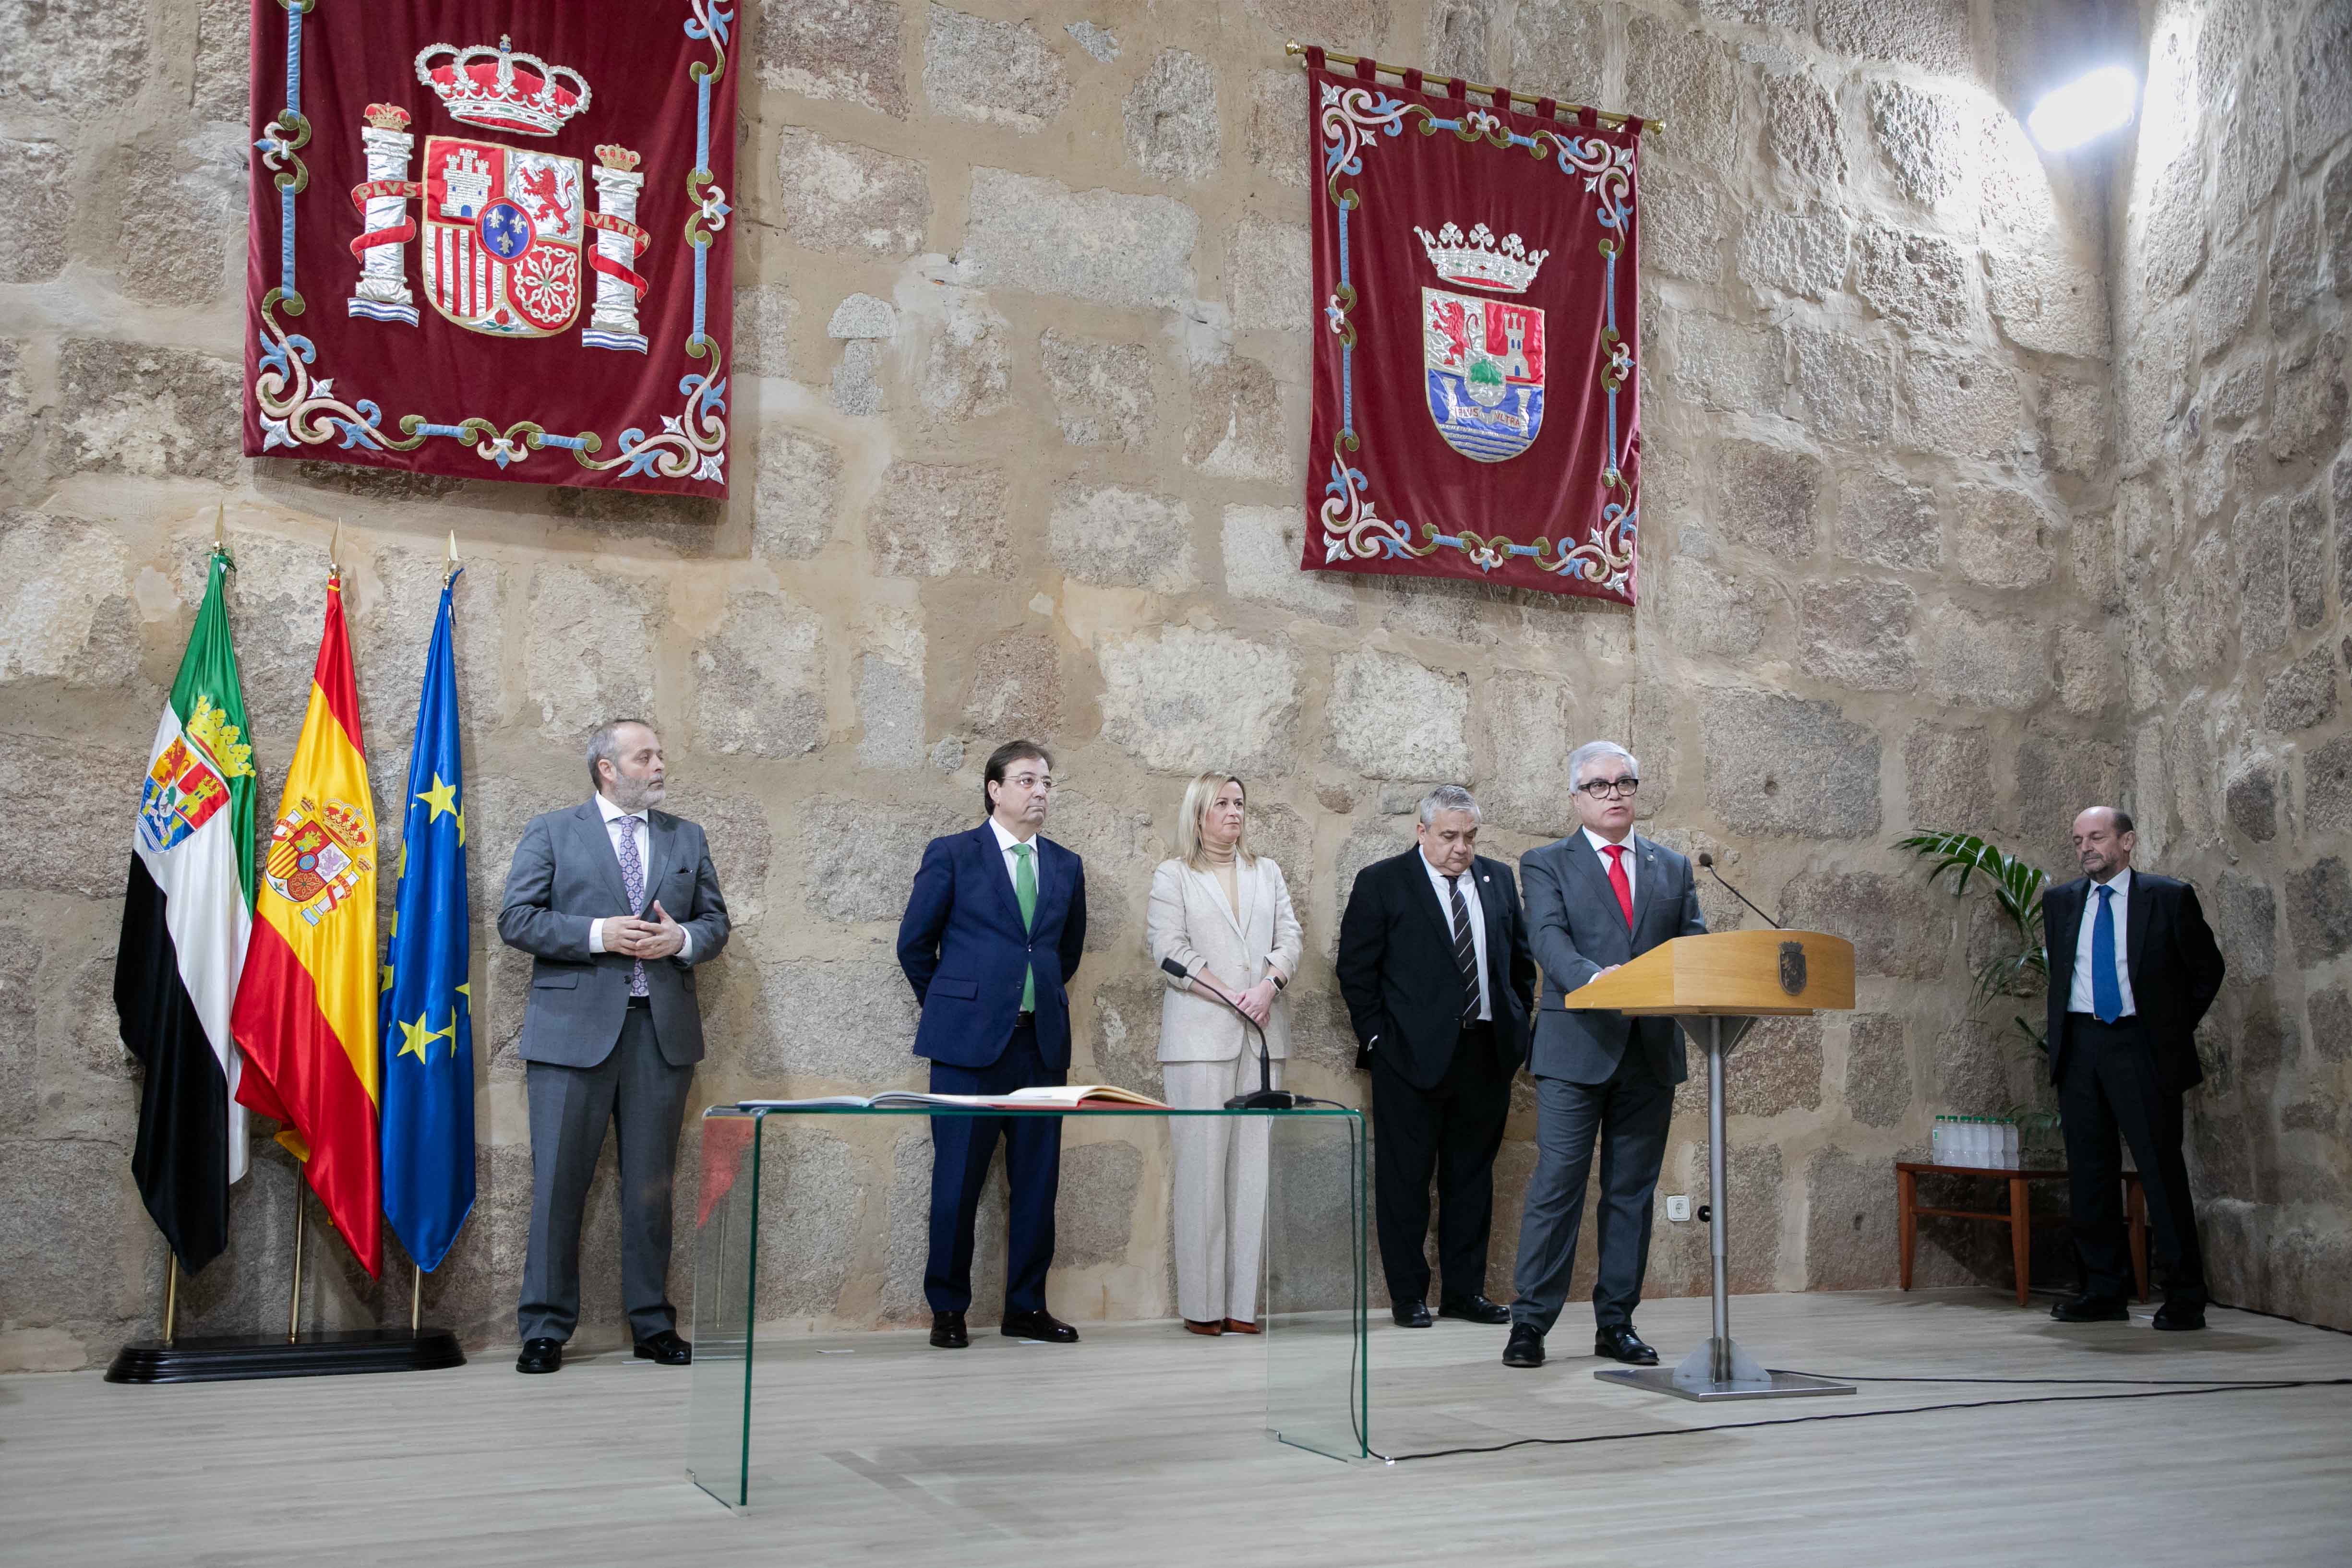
(1603, 788)
(1031, 782)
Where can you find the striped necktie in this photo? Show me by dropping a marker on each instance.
(1465, 951)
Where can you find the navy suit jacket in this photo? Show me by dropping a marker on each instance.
(2174, 965)
(964, 948)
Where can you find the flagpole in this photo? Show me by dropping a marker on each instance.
(416, 1298)
(294, 1298)
(171, 1296)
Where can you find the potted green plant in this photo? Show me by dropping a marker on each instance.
(2021, 969)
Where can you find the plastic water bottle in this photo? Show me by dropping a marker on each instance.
(1979, 1142)
(2012, 1152)
(1939, 1143)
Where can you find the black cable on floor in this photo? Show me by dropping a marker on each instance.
(1867, 1415)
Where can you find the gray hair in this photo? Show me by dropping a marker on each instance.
(1593, 751)
(1447, 797)
(604, 745)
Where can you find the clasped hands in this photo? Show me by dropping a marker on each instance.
(633, 938)
(1256, 1003)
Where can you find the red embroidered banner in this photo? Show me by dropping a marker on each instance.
(1475, 408)
(489, 241)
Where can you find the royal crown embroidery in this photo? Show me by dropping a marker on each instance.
(502, 90)
(1477, 260)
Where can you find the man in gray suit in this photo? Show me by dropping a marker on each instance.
(1597, 899)
(611, 1031)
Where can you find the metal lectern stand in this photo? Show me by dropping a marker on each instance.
(1704, 983)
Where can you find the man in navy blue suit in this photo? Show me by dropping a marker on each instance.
(993, 933)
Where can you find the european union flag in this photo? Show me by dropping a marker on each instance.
(428, 1028)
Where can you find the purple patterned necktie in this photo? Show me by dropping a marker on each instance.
(633, 878)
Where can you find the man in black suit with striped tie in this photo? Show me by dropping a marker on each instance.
(2133, 967)
(1434, 966)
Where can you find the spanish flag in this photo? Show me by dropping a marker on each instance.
(306, 1009)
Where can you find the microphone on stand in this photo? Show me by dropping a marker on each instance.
(1266, 1097)
(1707, 861)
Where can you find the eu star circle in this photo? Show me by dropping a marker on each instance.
(505, 229)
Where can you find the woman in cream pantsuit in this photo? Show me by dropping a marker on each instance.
(1223, 914)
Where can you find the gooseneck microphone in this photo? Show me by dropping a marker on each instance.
(1266, 1097)
(1707, 861)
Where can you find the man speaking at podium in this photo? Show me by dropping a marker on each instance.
(1596, 900)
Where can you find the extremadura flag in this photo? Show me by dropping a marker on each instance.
(306, 1009)
(186, 917)
(428, 1025)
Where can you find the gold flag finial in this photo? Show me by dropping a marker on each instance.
(453, 570)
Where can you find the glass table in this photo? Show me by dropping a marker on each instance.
(772, 1245)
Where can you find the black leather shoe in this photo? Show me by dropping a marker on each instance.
(1618, 1342)
(666, 1349)
(948, 1332)
(540, 1355)
(2181, 1315)
(1412, 1314)
(1472, 1309)
(2089, 1308)
(1525, 1346)
(1039, 1326)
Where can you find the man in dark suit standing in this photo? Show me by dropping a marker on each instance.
(1435, 967)
(611, 1031)
(2133, 967)
(1597, 899)
(993, 933)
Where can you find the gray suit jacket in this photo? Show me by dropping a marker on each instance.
(1577, 929)
(564, 875)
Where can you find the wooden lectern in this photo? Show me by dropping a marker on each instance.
(1717, 986)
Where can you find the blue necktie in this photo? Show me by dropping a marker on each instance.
(2107, 990)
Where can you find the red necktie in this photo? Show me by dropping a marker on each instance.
(1621, 882)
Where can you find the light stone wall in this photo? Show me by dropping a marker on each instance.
(1021, 410)
(2233, 543)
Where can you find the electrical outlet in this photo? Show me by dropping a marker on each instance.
(1678, 1207)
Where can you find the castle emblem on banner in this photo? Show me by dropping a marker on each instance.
(188, 781)
(506, 227)
(1483, 359)
(317, 856)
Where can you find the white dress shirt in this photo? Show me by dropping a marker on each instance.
(2079, 999)
(617, 822)
(1005, 841)
(1468, 883)
(1602, 847)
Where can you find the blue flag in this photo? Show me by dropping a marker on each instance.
(427, 1010)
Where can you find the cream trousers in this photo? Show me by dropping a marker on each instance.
(1221, 1181)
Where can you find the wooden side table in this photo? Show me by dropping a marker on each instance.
(2020, 1218)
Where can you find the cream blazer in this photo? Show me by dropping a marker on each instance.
(1190, 922)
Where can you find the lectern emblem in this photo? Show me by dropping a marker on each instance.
(1792, 968)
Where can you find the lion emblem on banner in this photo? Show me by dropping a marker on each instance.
(1483, 359)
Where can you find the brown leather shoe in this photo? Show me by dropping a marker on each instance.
(1236, 1325)
(1194, 1325)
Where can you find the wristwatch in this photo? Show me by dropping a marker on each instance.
(1279, 983)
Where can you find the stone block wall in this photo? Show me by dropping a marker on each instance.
(2233, 549)
(1021, 408)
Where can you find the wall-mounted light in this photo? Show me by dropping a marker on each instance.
(2086, 108)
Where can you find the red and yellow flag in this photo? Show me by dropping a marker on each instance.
(305, 1015)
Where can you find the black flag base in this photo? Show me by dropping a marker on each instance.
(192, 1358)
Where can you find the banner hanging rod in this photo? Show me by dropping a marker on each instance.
(1500, 94)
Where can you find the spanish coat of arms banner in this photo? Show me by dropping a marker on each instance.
(491, 241)
(1475, 359)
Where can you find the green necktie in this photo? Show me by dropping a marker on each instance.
(1025, 889)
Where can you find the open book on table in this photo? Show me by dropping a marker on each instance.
(1062, 1097)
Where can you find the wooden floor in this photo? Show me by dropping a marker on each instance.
(1144, 1445)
